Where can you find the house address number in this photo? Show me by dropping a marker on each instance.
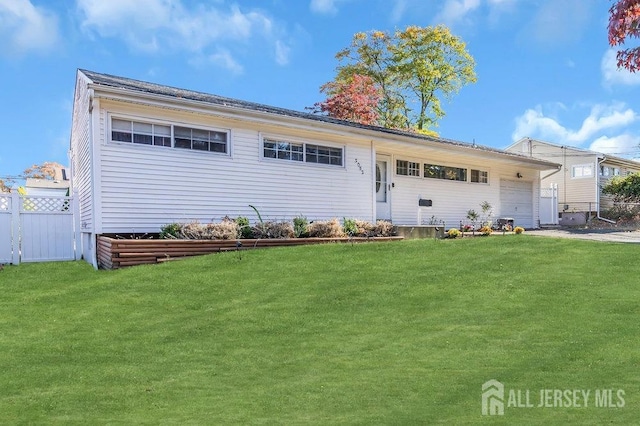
(359, 166)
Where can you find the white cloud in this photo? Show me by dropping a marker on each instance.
(24, 27)
(456, 10)
(535, 123)
(399, 8)
(560, 22)
(621, 145)
(224, 59)
(612, 75)
(282, 53)
(324, 7)
(161, 25)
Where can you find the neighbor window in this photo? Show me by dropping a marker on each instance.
(479, 176)
(309, 153)
(407, 168)
(434, 171)
(582, 171)
(138, 132)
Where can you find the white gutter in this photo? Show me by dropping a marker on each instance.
(597, 173)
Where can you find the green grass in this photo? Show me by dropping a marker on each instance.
(388, 333)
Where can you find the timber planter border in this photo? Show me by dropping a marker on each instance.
(114, 253)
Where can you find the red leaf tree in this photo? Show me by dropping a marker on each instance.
(624, 23)
(354, 100)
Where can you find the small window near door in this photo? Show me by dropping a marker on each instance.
(407, 168)
(479, 176)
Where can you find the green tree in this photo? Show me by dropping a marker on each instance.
(624, 189)
(414, 69)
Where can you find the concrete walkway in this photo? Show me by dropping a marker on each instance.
(610, 235)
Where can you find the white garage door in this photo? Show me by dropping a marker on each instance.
(516, 201)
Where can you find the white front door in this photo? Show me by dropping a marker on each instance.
(383, 176)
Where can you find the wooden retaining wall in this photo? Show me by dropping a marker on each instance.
(114, 253)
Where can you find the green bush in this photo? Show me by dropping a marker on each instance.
(171, 230)
(349, 227)
(245, 227)
(300, 227)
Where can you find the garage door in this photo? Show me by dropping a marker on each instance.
(516, 201)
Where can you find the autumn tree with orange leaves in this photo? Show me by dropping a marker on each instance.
(355, 99)
(624, 23)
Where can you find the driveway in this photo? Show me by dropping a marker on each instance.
(610, 235)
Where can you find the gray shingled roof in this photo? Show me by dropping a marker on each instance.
(108, 80)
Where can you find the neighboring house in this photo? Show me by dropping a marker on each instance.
(581, 177)
(58, 186)
(144, 155)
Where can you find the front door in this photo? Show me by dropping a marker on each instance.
(383, 173)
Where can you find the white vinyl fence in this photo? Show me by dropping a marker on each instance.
(38, 229)
(549, 205)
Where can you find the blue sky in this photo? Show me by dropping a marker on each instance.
(544, 67)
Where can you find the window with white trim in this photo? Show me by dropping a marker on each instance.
(582, 171)
(407, 168)
(302, 152)
(169, 135)
(479, 176)
(434, 171)
(140, 133)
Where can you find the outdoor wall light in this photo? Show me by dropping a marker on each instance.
(519, 175)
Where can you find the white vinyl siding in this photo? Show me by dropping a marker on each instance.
(451, 200)
(143, 189)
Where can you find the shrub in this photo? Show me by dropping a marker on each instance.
(171, 230)
(326, 229)
(226, 230)
(486, 230)
(518, 229)
(274, 230)
(383, 228)
(453, 233)
(245, 227)
(364, 228)
(300, 227)
(349, 227)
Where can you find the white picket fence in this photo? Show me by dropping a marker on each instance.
(38, 229)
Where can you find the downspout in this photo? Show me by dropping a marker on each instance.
(597, 173)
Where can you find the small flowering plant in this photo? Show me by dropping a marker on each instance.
(518, 230)
(453, 233)
(486, 230)
(467, 228)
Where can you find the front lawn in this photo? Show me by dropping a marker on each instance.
(386, 333)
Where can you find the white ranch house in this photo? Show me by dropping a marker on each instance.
(144, 155)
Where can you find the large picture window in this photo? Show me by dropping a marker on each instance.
(302, 152)
(142, 133)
